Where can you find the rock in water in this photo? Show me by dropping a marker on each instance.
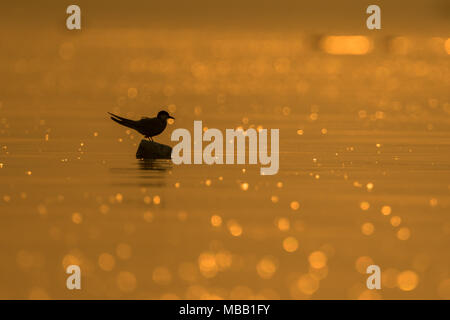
(153, 150)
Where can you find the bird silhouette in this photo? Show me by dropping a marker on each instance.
(149, 127)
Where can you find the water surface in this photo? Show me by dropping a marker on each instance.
(364, 169)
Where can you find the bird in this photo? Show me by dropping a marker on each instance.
(148, 127)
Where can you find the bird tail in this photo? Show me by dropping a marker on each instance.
(123, 121)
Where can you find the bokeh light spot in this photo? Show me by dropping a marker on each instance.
(290, 244)
(317, 259)
(407, 280)
(126, 281)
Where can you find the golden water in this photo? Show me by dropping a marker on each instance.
(364, 168)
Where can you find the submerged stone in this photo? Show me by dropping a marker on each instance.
(153, 150)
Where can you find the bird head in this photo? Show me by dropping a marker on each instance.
(164, 115)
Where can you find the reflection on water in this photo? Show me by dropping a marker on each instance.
(364, 169)
(151, 173)
(158, 165)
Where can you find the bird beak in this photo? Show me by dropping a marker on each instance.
(170, 117)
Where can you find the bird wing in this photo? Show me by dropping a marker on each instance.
(124, 121)
(150, 126)
(149, 123)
